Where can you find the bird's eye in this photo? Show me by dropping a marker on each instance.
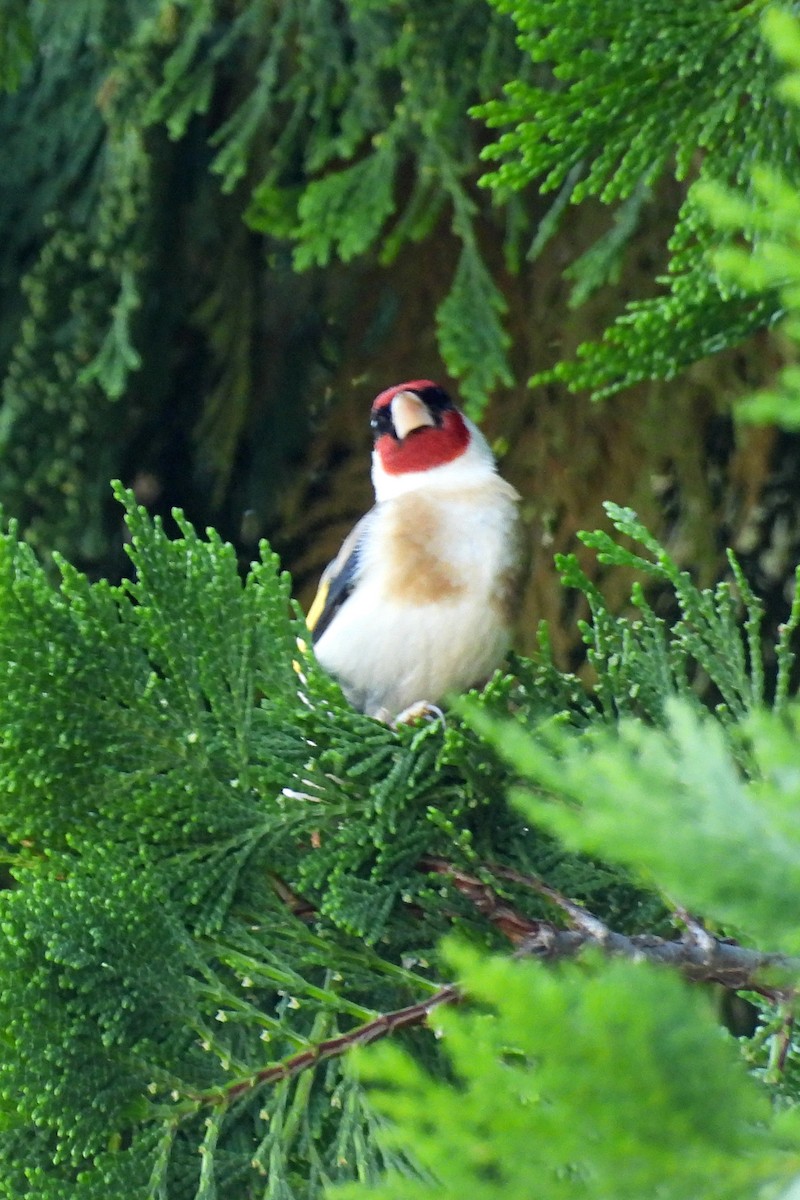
(381, 422)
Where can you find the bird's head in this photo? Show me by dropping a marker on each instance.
(420, 436)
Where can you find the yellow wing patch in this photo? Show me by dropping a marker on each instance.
(317, 608)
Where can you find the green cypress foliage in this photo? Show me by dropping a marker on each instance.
(517, 1118)
(767, 218)
(169, 168)
(224, 880)
(620, 99)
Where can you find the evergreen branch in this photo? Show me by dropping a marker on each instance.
(517, 927)
(334, 1047)
(715, 960)
(580, 917)
(697, 954)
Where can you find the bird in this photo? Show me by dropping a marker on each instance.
(420, 600)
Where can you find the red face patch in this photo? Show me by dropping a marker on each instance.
(426, 447)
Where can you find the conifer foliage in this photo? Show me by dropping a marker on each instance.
(625, 97)
(225, 882)
(173, 167)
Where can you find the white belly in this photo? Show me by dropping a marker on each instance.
(429, 613)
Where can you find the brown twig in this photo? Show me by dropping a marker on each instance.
(298, 905)
(698, 955)
(514, 925)
(579, 916)
(362, 1035)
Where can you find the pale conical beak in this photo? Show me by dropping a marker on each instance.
(409, 413)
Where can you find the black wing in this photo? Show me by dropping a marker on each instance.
(337, 582)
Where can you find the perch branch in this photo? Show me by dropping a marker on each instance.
(697, 954)
(381, 1026)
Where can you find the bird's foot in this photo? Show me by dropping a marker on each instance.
(420, 710)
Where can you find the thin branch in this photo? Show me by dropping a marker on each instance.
(695, 929)
(516, 926)
(298, 905)
(781, 1043)
(698, 955)
(381, 1026)
(722, 962)
(579, 916)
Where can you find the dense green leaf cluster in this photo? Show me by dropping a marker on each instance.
(217, 866)
(168, 170)
(614, 1078)
(171, 169)
(673, 1113)
(767, 217)
(622, 98)
(174, 771)
(76, 219)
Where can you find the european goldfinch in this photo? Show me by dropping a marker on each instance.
(419, 600)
